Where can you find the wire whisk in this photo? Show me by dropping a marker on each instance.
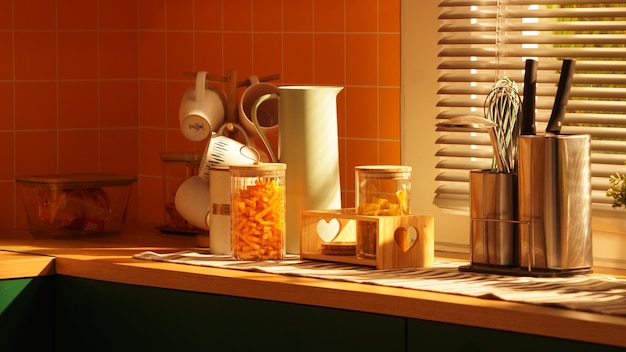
(502, 107)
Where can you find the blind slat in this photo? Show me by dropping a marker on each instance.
(473, 55)
(539, 27)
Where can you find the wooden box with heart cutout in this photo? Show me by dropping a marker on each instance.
(405, 241)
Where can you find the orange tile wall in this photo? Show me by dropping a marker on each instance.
(94, 86)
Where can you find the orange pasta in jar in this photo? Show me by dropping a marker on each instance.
(258, 211)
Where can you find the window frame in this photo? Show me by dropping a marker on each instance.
(419, 37)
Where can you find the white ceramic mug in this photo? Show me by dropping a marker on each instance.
(267, 112)
(222, 150)
(193, 202)
(202, 110)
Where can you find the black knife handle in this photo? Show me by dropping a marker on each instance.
(530, 91)
(562, 97)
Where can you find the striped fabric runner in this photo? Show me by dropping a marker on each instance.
(591, 293)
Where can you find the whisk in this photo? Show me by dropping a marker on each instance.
(502, 106)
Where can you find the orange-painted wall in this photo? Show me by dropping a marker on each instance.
(94, 86)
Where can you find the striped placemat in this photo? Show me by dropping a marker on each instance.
(591, 293)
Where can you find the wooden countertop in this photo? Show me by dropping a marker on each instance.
(110, 259)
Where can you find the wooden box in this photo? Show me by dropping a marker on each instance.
(405, 241)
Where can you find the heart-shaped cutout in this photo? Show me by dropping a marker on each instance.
(328, 230)
(405, 238)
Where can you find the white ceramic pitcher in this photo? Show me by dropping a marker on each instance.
(308, 144)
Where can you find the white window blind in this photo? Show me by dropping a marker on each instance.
(482, 40)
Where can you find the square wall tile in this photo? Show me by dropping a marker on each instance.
(267, 15)
(78, 55)
(152, 54)
(36, 152)
(77, 14)
(238, 53)
(328, 16)
(118, 54)
(389, 113)
(297, 58)
(389, 65)
(7, 212)
(180, 15)
(237, 15)
(7, 155)
(179, 54)
(389, 16)
(151, 14)
(329, 58)
(362, 112)
(152, 103)
(78, 104)
(34, 15)
(78, 151)
(359, 152)
(362, 15)
(117, 15)
(361, 59)
(7, 98)
(35, 105)
(152, 144)
(119, 150)
(6, 14)
(208, 15)
(6, 55)
(152, 204)
(267, 53)
(119, 103)
(208, 53)
(35, 55)
(298, 16)
(389, 153)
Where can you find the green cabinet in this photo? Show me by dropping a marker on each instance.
(431, 336)
(62, 313)
(27, 314)
(103, 316)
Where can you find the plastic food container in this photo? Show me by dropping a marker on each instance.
(75, 205)
(258, 211)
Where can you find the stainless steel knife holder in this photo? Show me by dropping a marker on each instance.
(555, 199)
(494, 229)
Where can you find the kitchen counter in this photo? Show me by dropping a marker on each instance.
(110, 259)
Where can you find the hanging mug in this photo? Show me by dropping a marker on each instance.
(222, 150)
(267, 112)
(202, 110)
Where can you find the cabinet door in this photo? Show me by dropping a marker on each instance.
(27, 314)
(430, 336)
(104, 316)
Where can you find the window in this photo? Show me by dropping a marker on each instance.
(483, 40)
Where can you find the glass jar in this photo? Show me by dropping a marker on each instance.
(258, 211)
(381, 190)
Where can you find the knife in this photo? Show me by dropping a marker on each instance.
(530, 91)
(562, 96)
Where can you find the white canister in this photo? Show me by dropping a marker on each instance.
(220, 239)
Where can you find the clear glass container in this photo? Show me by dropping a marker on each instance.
(258, 211)
(381, 190)
(177, 167)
